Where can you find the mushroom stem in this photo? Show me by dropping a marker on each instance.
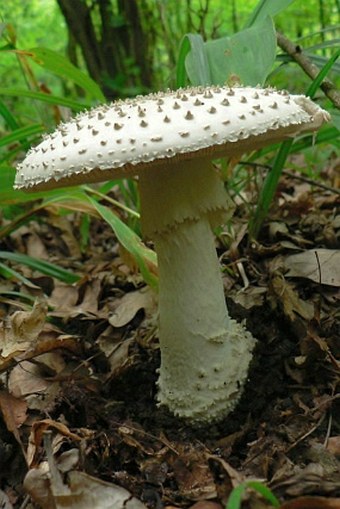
(204, 354)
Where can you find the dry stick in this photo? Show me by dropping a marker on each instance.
(296, 52)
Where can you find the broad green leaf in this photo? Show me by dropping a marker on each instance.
(248, 55)
(193, 57)
(61, 66)
(266, 8)
(50, 269)
(146, 259)
(48, 98)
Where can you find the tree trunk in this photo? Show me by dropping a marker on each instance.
(113, 42)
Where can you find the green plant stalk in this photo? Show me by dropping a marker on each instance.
(268, 190)
(235, 498)
(270, 184)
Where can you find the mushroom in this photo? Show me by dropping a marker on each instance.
(169, 139)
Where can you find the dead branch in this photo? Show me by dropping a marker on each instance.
(297, 54)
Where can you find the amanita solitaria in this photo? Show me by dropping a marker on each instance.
(169, 140)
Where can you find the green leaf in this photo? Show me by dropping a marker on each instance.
(61, 66)
(266, 8)
(264, 491)
(196, 62)
(145, 257)
(48, 98)
(181, 75)
(236, 55)
(216, 62)
(235, 498)
(41, 266)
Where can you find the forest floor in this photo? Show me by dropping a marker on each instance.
(79, 371)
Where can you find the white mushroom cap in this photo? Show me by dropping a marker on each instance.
(128, 136)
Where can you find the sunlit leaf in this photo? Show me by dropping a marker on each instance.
(218, 61)
(61, 66)
(195, 61)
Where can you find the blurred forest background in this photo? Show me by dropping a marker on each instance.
(131, 47)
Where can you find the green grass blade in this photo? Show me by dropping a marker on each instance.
(22, 133)
(322, 74)
(268, 190)
(61, 66)
(145, 257)
(9, 273)
(47, 268)
(181, 75)
(8, 117)
(48, 98)
(235, 498)
(264, 491)
(270, 184)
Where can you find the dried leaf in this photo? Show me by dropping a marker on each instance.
(81, 492)
(193, 475)
(290, 300)
(206, 504)
(333, 445)
(14, 413)
(4, 501)
(13, 409)
(250, 296)
(37, 433)
(26, 381)
(23, 330)
(312, 503)
(130, 304)
(319, 265)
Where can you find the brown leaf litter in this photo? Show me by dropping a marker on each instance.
(79, 425)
